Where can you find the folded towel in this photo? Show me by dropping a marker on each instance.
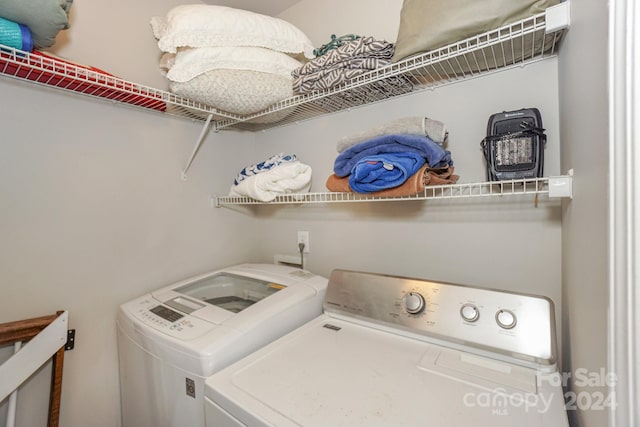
(433, 129)
(287, 178)
(375, 173)
(435, 155)
(264, 166)
(15, 35)
(412, 186)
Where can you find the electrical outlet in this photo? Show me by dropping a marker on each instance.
(303, 237)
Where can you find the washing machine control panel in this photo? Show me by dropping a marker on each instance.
(158, 316)
(515, 324)
(166, 313)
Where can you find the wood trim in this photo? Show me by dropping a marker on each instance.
(57, 362)
(624, 214)
(24, 330)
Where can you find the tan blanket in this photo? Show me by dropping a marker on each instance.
(413, 185)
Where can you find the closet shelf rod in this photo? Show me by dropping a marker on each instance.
(554, 187)
(196, 148)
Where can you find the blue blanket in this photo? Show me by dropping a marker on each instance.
(434, 154)
(375, 173)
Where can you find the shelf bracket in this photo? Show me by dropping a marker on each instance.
(203, 134)
(561, 186)
(557, 17)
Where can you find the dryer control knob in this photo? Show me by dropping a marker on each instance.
(413, 303)
(469, 312)
(506, 319)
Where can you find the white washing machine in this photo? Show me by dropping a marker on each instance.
(392, 351)
(170, 340)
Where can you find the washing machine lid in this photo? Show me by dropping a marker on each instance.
(225, 290)
(333, 372)
(219, 296)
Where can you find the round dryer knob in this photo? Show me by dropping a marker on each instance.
(506, 319)
(469, 312)
(413, 302)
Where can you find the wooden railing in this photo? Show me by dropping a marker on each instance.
(25, 330)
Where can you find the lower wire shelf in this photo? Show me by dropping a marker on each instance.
(554, 187)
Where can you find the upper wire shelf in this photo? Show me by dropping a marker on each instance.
(516, 44)
(559, 186)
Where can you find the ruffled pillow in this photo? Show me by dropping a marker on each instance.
(208, 25)
(189, 63)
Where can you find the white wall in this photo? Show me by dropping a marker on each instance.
(506, 244)
(464, 242)
(94, 211)
(116, 36)
(584, 130)
(319, 20)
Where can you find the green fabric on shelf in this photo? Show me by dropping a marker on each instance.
(335, 43)
(429, 24)
(45, 18)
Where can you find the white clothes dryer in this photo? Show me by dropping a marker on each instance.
(390, 351)
(170, 340)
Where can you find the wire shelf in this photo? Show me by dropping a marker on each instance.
(533, 186)
(517, 44)
(43, 69)
(514, 45)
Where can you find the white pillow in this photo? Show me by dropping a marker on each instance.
(200, 25)
(191, 62)
(235, 91)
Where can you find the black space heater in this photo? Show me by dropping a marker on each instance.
(514, 146)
